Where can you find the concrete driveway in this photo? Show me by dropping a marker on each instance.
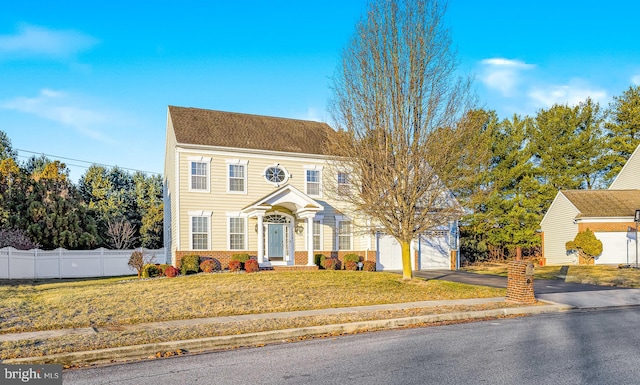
(577, 295)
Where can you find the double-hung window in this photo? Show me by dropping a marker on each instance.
(343, 183)
(344, 235)
(199, 175)
(317, 235)
(237, 176)
(313, 180)
(236, 233)
(200, 232)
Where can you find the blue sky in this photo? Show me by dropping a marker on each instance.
(92, 81)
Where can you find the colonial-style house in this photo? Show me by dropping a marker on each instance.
(608, 213)
(240, 183)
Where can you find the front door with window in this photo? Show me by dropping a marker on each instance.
(276, 241)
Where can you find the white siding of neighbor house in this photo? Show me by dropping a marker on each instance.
(558, 228)
(629, 176)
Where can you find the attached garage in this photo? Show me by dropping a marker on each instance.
(433, 252)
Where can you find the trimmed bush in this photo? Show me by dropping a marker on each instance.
(240, 257)
(251, 266)
(369, 266)
(161, 268)
(150, 270)
(319, 260)
(190, 264)
(210, 265)
(235, 266)
(351, 265)
(171, 272)
(351, 257)
(331, 264)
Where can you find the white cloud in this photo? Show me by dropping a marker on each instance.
(503, 74)
(635, 79)
(32, 40)
(571, 94)
(61, 108)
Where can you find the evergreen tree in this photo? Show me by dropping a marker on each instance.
(623, 130)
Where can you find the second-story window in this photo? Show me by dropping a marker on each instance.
(313, 182)
(236, 177)
(199, 174)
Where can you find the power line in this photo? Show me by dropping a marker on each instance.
(84, 161)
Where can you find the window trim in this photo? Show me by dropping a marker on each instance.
(277, 184)
(207, 173)
(338, 222)
(308, 168)
(199, 214)
(236, 162)
(237, 215)
(318, 218)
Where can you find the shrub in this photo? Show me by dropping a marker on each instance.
(137, 260)
(210, 265)
(331, 264)
(369, 266)
(251, 266)
(162, 267)
(351, 265)
(319, 259)
(351, 257)
(150, 271)
(190, 264)
(171, 272)
(235, 265)
(240, 257)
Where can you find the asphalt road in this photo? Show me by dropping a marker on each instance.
(582, 347)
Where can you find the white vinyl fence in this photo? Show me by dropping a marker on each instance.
(62, 263)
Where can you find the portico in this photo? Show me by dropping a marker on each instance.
(276, 215)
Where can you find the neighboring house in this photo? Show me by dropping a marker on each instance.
(239, 183)
(608, 213)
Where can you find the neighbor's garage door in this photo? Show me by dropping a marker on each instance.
(434, 251)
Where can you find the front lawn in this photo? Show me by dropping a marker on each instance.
(114, 301)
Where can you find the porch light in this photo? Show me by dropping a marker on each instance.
(299, 229)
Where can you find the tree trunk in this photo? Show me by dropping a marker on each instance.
(518, 253)
(407, 273)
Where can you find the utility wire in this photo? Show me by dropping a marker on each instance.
(83, 161)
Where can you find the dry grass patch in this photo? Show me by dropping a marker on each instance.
(112, 339)
(113, 301)
(593, 275)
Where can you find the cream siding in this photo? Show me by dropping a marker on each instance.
(558, 228)
(219, 201)
(169, 190)
(629, 176)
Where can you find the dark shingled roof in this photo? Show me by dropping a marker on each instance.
(230, 129)
(604, 203)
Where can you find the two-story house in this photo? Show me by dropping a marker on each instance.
(240, 183)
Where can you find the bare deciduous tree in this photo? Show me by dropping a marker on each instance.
(405, 135)
(121, 232)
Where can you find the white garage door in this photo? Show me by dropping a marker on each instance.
(389, 253)
(434, 251)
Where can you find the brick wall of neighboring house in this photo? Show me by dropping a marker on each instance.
(606, 226)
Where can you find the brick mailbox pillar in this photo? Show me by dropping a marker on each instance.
(520, 282)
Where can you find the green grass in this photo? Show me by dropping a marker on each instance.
(594, 275)
(105, 302)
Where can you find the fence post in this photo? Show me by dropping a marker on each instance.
(35, 263)
(102, 261)
(9, 264)
(60, 262)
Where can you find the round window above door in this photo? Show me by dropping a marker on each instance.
(276, 175)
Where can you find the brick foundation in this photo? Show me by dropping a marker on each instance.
(520, 282)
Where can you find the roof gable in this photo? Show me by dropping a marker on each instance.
(229, 129)
(604, 203)
(629, 176)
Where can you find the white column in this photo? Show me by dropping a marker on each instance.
(310, 254)
(260, 239)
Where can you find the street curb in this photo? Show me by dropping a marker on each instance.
(261, 338)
